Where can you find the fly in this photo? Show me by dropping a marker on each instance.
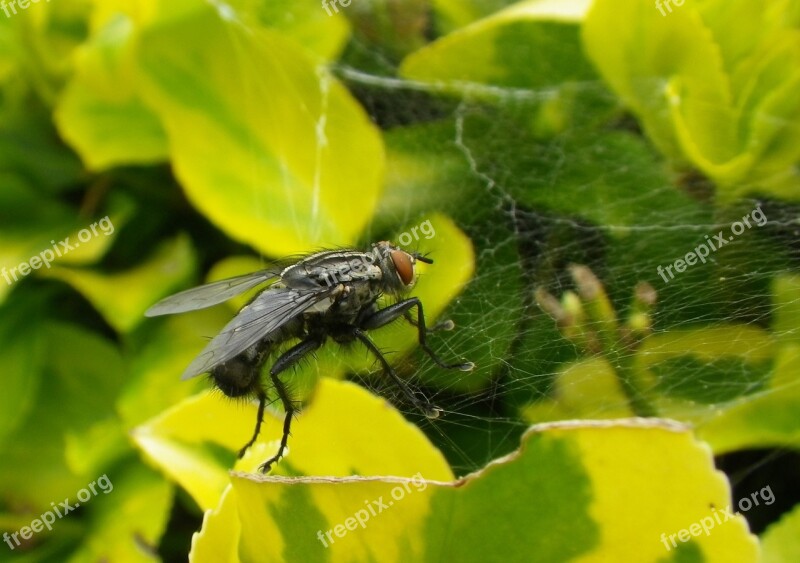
(331, 294)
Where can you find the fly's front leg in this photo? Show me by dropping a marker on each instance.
(388, 314)
(422, 404)
(447, 325)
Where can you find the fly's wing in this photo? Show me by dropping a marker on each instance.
(210, 294)
(270, 310)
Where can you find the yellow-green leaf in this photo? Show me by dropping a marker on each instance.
(295, 162)
(182, 440)
(126, 517)
(83, 374)
(156, 366)
(218, 541)
(489, 51)
(585, 389)
(781, 541)
(712, 82)
(101, 113)
(764, 420)
(583, 491)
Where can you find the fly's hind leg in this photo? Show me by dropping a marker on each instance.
(289, 358)
(262, 402)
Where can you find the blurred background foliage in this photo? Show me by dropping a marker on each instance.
(562, 151)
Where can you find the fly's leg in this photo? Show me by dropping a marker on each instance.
(388, 314)
(441, 325)
(289, 358)
(237, 384)
(422, 404)
(287, 422)
(262, 401)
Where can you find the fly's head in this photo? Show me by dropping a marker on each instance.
(397, 266)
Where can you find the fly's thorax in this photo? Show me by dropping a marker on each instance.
(346, 301)
(385, 265)
(331, 268)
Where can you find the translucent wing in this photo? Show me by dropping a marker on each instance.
(270, 310)
(210, 294)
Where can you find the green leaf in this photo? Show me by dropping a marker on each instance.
(786, 304)
(218, 541)
(22, 360)
(42, 233)
(560, 492)
(712, 380)
(781, 542)
(162, 350)
(84, 374)
(663, 357)
(30, 149)
(768, 419)
(489, 51)
(306, 22)
(702, 95)
(754, 414)
(92, 241)
(122, 298)
(28, 230)
(101, 113)
(277, 124)
(185, 441)
(42, 41)
(453, 14)
(383, 30)
(128, 518)
(582, 390)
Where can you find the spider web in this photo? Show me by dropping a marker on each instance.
(535, 203)
(521, 246)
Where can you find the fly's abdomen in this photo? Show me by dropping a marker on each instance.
(240, 376)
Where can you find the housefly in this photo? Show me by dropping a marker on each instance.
(331, 294)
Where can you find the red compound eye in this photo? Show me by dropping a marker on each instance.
(403, 265)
